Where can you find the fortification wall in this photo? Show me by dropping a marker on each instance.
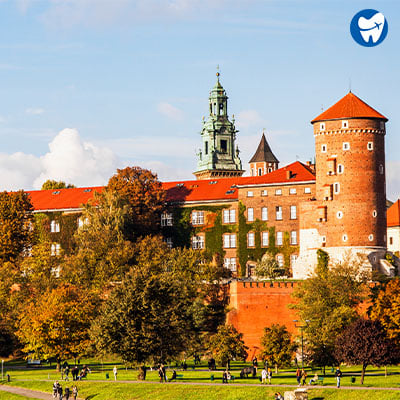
(256, 305)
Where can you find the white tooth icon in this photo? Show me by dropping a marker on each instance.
(372, 27)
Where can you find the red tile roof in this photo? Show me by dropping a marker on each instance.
(225, 188)
(350, 106)
(218, 189)
(393, 214)
(62, 199)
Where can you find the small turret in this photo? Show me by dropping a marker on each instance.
(263, 161)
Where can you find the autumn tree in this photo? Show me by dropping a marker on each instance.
(328, 300)
(52, 184)
(227, 345)
(365, 342)
(56, 324)
(277, 346)
(15, 226)
(386, 308)
(101, 255)
(145, 196)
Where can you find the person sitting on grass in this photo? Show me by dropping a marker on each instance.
(278, 396)
(314, 380)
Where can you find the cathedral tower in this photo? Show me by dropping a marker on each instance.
(349, 212)
(219, 157)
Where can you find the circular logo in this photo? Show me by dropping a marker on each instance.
(369, 28)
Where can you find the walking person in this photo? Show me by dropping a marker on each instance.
(67, 393)
(269, 375)
(60, 392)
(55, 389)
(264, 376)
(298, 376)
(115, 372)
(303, 376)
(66, 372)
(338, 374)
(75, 392)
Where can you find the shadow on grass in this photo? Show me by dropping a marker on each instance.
(317, 398)
(92, 396)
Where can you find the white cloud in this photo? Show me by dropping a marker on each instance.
(34, 111)
(248, 119)
(69, 159)
(170, 111)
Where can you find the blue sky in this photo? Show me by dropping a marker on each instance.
(91, 85)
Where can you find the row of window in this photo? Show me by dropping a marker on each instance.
(278, 192)
(55, 225)
(345, 125)
(229, 240)
(346, 146)
(231, 263)
(278, 213)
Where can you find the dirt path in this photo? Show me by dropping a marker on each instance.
(33, 394)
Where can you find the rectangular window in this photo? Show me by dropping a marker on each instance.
(166, 219)
(322, 126)
(281, 260)
(323, 148)
(224, 146)
(250, 239)
(205, 148)
(264, 214)
(198, 242)
(278, 192)
(293, 212)
(229, 216)
(293, 237)
(336, 187)
(198, 218)
(168, 240)
(82, 222)
(55, 249)
(293, 259)
(292, 191)
(264, 192)
(229, 240)
(279, 238)
(345, 124)
(370, 146)
(307, 190)
(230, 263)
(54, 226)
(250, 214)
(265, 239)
(390, 240)
(250, 193)
(346, 146)
(278, 210)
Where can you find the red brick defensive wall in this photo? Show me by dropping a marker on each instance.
(256, 305)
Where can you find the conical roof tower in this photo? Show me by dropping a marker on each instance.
(264, 160)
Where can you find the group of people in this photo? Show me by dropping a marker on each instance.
(58, 392)
(266, 375)
(76, 376)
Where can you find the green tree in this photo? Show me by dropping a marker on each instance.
(365, 342)
(145, 196)
(386, 308)
(15, 224)
(227, 345)
(328, 301)
(56, 324)
(277, 346)
(52, 184)
(158, 309)
(268, 267)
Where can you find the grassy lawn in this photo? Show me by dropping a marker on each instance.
(41, 378)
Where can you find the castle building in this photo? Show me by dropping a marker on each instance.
(338, 205)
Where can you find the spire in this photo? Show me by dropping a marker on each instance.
(264, 152)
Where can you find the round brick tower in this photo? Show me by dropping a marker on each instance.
(350, 177)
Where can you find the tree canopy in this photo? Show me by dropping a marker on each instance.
(227, 345)
(52, 184)
(365, 342)
(15, 224)
(328, 300)
(145, 196)
(268, 267)
(277, 346)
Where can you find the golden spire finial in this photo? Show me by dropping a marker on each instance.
(218, 74)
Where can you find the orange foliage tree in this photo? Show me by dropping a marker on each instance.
(145, 196)
(56, 324)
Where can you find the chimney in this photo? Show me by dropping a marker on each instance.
(288, 174)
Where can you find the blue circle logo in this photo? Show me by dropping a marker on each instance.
(369, 28)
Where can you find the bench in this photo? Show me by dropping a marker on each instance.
(179, 376)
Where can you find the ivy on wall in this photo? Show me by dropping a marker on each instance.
(68, 226)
